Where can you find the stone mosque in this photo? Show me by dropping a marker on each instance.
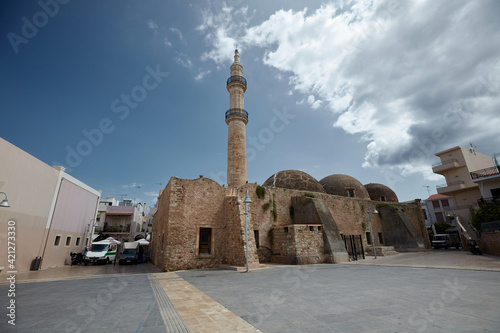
(292, 218)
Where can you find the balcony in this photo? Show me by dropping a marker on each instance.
(453, 187)
(445, 165)
(238, 79)
(240, 113)
(485, 174)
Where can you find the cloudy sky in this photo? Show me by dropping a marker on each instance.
(126, 94)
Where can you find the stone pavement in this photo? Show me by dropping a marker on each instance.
(461, 293)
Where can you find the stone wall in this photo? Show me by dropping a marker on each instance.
(298, 244)
(186, 205)
(490, 243)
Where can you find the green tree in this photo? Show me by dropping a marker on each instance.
(488, 212)
(441, 227)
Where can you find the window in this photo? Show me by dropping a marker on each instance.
(77, 243)
(495, 193)
(311, 228)
(435, 204)
(368, 238)
(205, 246)
(68, 241)
(285, 229)
(424, 211)
(256, 235)
(319, 228)
(57, 240)
(445, 203)
(382, 198)
(350, 193)
(439, 217)
(380, 238)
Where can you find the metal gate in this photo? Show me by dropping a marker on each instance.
(354, 246)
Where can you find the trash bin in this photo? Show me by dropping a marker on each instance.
(35, 264)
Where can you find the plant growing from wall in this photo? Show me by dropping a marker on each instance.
(363, 225)
(292, 212)
(310, 195)
(270, 234)
(275, 210)
(266, 205)
(261, 192)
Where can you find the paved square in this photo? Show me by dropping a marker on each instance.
(357, 298)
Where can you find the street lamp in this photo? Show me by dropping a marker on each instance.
(5, 202)
(371, 231)
(246, 201)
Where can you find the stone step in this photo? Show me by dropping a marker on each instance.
(382, 251)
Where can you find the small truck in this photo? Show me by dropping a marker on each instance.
(446, 241)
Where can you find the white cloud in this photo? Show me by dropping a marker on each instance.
(223, 28)
(183, 60)
(201, 75)
(178, 33)
(152, 25)
(167, 42)
(410, 78)
(151, 194)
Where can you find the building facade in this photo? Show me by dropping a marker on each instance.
(456, 166)
(122, 220)
(52, 211)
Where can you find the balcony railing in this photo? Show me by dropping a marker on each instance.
(445, 162)
(483, 173)
(492, 200)
(458, 182)
(237, 78)
(237, 112)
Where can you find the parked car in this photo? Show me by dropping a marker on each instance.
(130, 254)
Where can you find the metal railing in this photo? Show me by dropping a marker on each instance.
(488, 172)
(492, 200)
(236, 112)
(445, 162)
(458, 182)
(237, 78)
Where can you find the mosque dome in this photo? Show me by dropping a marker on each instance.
(379, 192)
(344, 185)
(294, 180)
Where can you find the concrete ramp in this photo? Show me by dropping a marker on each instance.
(399, 231)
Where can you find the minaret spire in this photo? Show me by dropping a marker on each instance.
(236, 120)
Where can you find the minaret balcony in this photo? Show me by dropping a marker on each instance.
(238, 79)
(237, 113)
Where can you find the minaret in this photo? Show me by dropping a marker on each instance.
(236, 120)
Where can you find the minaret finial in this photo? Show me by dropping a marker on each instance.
(236, 56)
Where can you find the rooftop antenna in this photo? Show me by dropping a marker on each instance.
(472, 148)
(137, 186)
(427, 187)
(121, 196)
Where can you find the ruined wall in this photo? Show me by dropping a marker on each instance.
(298, 244)
(490, 243)
(184, 207)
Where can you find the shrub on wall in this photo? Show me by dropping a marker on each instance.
(261, 192)
(266, 206)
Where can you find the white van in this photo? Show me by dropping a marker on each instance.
(102, 251)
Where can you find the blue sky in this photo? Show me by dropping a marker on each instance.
(136, 89)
